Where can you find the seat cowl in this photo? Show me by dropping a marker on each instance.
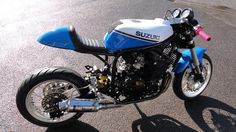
(58, 38)
(86, 45)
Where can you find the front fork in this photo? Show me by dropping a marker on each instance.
(196, 63)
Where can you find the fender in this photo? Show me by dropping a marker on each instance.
(59, 38)
(186, 59)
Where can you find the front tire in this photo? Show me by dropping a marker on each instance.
(50, 79)
(186, 87)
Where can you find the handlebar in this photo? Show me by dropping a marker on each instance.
(199, 31)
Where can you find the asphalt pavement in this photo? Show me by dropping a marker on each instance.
(21, 22)
(218, 3)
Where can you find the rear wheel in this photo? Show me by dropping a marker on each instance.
(38, 97)
(186, 86)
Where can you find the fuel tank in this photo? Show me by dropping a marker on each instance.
(134, 33)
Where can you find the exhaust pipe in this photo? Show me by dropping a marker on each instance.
(85, 105)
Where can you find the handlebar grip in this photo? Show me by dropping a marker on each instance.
(199, 31)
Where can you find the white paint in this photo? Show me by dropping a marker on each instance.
(158, 27)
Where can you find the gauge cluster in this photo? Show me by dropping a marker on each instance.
(185, 13)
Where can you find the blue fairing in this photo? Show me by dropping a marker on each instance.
(115, 41)
(59, 38)
(187, 58)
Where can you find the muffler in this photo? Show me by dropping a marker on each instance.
(85, 105)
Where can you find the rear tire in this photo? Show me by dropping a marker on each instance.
(178, 87)
(34, 80)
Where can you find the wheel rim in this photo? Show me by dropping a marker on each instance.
(192, 88)
(35, 96)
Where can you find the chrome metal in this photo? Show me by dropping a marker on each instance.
(105, 99)
(36, 94)
(88, 105)
(195, 61)
(85, 105)
(192, 87)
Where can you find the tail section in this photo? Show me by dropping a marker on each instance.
(58, 38)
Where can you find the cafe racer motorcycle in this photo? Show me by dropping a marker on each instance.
(139, 58)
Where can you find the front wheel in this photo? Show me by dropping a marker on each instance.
(186, 85)
(38, 96)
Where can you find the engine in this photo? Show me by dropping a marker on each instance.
(139, 74)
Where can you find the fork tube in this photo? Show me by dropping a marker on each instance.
(195, 60)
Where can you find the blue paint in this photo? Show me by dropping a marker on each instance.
(115, 42)
(186, 59)
(59, 38)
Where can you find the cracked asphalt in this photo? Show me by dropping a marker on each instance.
(21, 22)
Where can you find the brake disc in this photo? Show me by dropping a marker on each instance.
(51, 106)
(55, 87)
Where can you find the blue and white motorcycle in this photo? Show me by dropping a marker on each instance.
(139, 58)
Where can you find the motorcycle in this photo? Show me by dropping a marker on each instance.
(140, 59)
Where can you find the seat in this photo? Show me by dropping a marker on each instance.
(85, 45)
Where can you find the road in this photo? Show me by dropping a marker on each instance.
(226, 3)
(21, 22)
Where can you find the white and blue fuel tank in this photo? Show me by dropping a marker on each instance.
(134, 33)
